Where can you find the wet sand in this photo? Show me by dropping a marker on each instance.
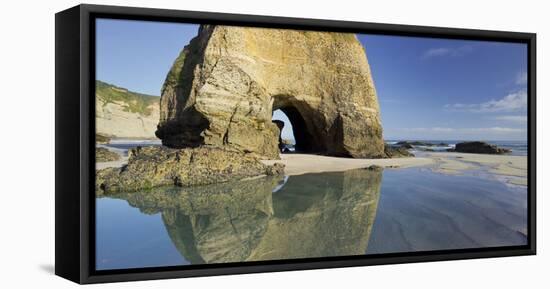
(299, 164)
(510, 169)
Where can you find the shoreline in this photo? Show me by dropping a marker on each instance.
(509, 169)
(299, 164)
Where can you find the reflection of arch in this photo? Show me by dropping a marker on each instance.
(311, 216)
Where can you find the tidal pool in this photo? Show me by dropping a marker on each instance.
(313, 215)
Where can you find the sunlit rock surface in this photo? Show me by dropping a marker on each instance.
(225, 84)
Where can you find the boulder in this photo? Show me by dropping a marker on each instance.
(105, 155)
(478, 147)
(224, 86)
(150, 167)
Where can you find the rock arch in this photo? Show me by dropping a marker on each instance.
(224, 86)
(303, 129)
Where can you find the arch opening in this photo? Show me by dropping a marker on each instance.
(294, 135)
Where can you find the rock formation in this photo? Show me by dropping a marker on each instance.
(225, 84)
(150, 167)
(125, 114)
(310, 216)
(101, 139)
(478, 147)
(392, 152)
(411, 144)
(280, 125)
(105, 155)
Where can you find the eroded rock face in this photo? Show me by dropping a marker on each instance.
(150, 167)
(224, 86)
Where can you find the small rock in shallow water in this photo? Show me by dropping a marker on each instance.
(374, 168)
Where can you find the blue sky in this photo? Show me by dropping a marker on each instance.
(427, 88)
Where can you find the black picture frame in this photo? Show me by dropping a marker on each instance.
(75, 139)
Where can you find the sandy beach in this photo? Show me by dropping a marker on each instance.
(507, 168)
(511, 169)
(298, 164)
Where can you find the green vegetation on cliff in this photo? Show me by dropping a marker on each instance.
(173, 76)
(133, 101)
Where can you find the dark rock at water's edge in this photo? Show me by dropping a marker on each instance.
(105, 155)
(102, 139)
(374, 168)
(397, 152)
(478, 147)
(404, 145)
(410, 144)
(150, 167)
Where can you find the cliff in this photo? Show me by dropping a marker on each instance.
(121, 113)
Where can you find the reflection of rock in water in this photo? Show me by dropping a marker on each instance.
(313, 215)
(321, 215)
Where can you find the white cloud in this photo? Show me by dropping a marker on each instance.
(521, 78)
(498, 130)
(473, 130)
(436, 52)
(447, 51)
(520, 119)
(515, 101)
(430, 129)
(457, 133)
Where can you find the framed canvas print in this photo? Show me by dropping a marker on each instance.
(193, 144)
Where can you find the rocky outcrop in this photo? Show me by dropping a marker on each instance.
(150, 167)
(105, 155)
(310, 216)
(410, 144)
(125, 114)
(102, 139)
(397, 152)
(223, 87)
(478, 147)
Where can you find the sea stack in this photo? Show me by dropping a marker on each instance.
(224, 86)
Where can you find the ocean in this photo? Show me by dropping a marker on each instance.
(518, 148)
